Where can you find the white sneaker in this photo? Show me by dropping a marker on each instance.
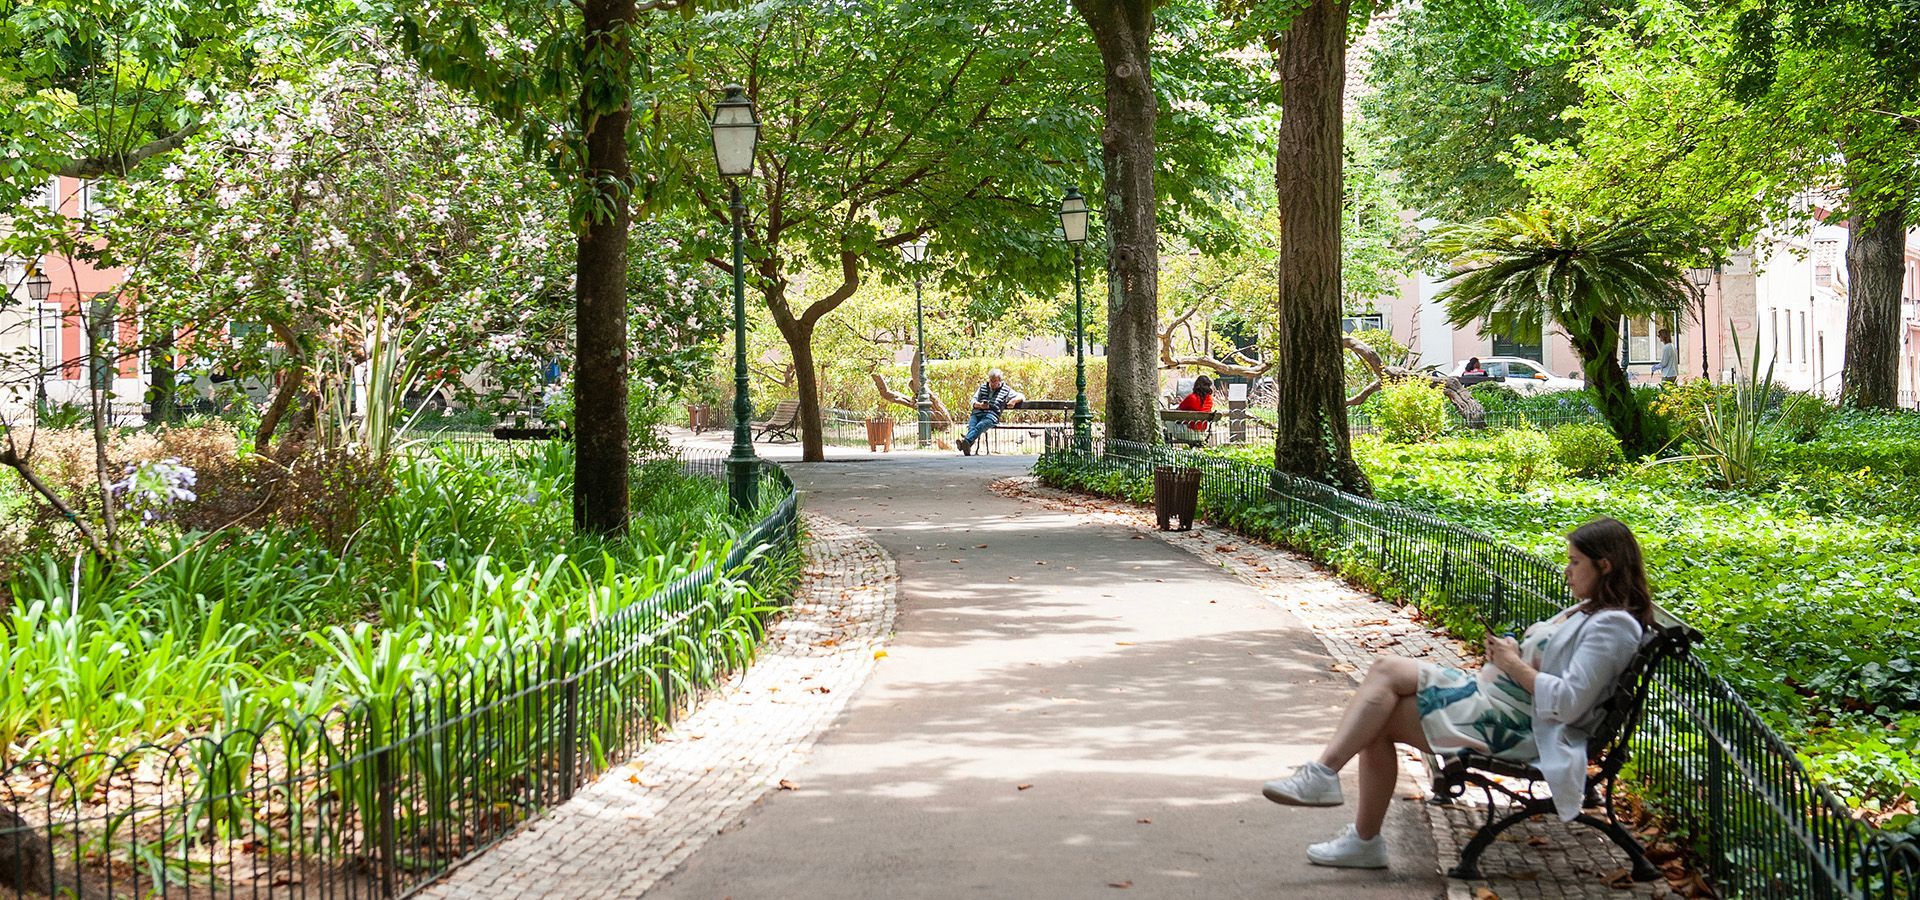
(1348, 851)
(1310, 785)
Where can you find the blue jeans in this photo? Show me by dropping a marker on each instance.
(980, 421)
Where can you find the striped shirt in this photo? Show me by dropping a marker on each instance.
(995, 400)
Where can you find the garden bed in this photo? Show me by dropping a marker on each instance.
(271, 708)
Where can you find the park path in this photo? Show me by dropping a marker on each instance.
(1066, 708)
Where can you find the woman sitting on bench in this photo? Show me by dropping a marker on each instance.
(1201, 400)
(1533, 702)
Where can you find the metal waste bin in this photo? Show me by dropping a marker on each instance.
(1176, 494)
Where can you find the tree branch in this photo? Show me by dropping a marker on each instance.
(122, 163)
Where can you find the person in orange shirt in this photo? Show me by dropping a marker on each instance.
(1201, 400)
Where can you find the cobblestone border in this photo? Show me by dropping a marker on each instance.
(620, 835)
(1540, 860)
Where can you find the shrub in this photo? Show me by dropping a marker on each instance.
(1524, 456)
(1494, 396)
(1684, 406)
(1588, 450)
(1802, 416)
(1410, 412)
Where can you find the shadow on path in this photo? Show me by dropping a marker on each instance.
(1067, 710)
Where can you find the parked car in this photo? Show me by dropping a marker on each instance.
(1523, 375)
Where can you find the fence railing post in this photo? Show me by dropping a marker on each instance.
(569, 735)
(1716, 801)
(388, 804)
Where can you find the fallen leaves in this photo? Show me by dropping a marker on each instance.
(879, 654)
(1143, 821)
(1120, 884)
(786, 785)
(1022, 787)
(1481, 893)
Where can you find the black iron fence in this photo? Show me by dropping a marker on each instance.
(1761, 826)
(380, 798)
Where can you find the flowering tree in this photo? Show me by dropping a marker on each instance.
(306, 205)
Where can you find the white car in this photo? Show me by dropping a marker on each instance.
(1523, 375)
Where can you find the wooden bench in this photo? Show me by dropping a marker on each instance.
(1174, 422)
(1065, 425)
(1608, 749)
(782, 421)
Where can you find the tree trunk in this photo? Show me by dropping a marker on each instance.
(799, 335)
(1598, 344)
(1311, 438)
(1123, 30)
(291, 386)
(163, 389)
(1876, 257)
(600, 288)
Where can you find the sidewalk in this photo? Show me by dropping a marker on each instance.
(1066, 710)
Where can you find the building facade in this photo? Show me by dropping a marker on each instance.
(46, 346)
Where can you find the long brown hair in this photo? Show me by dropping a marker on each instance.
(1624, 584)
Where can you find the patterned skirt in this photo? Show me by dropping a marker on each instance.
(1483, 711)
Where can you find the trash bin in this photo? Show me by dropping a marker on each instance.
(1176, 494)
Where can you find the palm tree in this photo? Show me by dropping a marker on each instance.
(1516, 270)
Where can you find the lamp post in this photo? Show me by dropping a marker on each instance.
(736, 130)
(1073, 227)
(38, 285)
(916, 253)
(1701, 278)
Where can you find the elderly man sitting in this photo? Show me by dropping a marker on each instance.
(988, 402)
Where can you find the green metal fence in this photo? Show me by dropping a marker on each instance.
(1762, 827)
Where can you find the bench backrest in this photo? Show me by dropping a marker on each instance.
(784, 412)
(1621, 711)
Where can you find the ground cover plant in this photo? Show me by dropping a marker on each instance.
(467, 555)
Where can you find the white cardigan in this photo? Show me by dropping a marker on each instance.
(1577, 673)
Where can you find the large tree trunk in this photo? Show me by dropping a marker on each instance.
(1123, 30)
(1311, 438)
(600, 288)
(799, 335)
(1598, 344)
(1876, 257)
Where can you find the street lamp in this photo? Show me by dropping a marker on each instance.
(38, 285)
(736, 130)
(1073, 227)
(916, 253)
(1701, 278)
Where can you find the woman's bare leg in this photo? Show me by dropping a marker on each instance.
(1389, 680)
(1380, 767)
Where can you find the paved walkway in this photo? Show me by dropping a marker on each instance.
(1067, 709)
